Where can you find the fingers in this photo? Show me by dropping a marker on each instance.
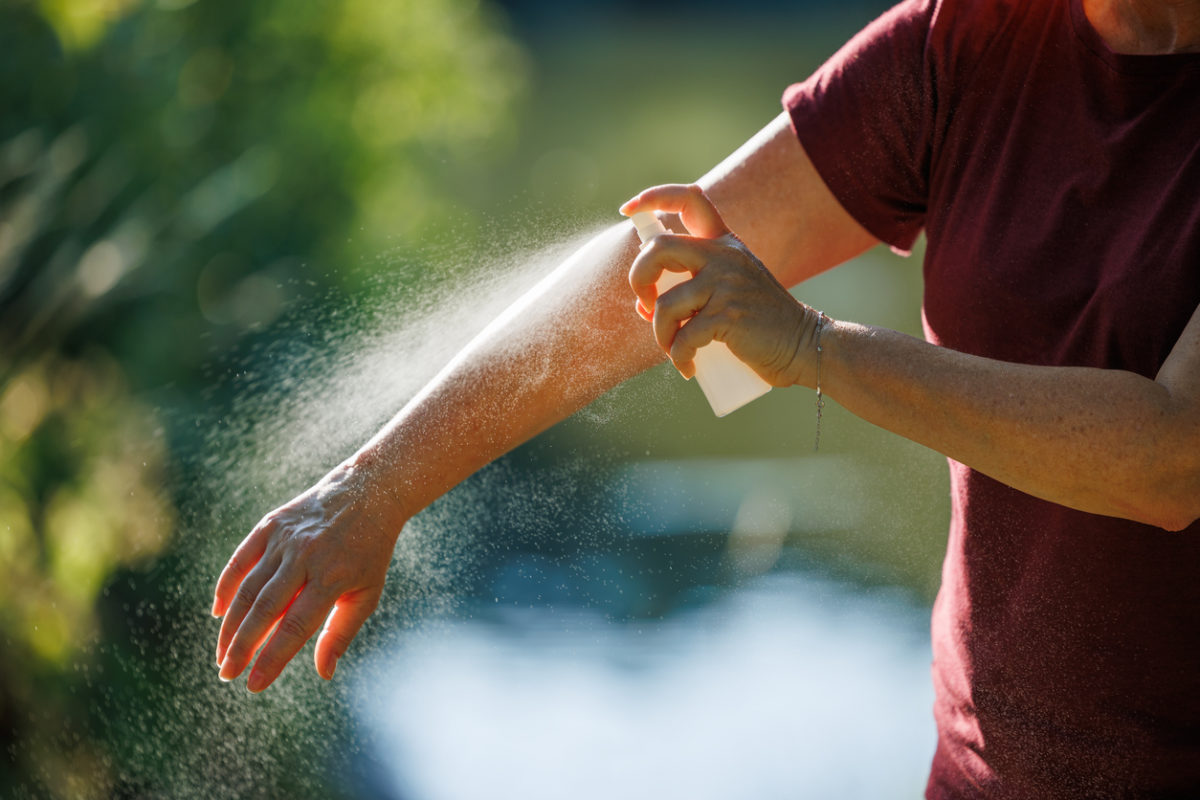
(241, 562)
(698, 332)
(676, 308)
(697, 212)
(267, 607)
(349, 614)
(660, 261)
(301, 620)
(243, 599)
(648, 275)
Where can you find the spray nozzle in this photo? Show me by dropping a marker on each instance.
(648, 225)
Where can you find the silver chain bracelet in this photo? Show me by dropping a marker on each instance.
(820, 399)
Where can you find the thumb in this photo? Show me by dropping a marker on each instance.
(349, 613)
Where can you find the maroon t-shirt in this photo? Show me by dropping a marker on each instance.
(1058, 185)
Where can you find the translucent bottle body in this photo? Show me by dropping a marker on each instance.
(728, 383)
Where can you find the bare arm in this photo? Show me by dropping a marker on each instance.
(570, 339)
(771, 195)
(575, 336)
(1100, 440)
(1105, 441)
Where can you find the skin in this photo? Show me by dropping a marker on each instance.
(1104, 441)
(1146, 27)
(329, 547)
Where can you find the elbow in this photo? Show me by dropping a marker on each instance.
(1172, 511)
(1163, 498)
(1178, 520)
(1181, 498)
(1157, 513)
(1167, 481)
(1173, 523)
(1176, 467)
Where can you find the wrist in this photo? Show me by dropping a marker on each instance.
(368, 476)
(813, 330)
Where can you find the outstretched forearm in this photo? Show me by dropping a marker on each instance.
(565, 342)
(576, 334)
(568, 340)
(1104, 441)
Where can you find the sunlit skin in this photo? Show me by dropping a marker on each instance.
(730, 297)
(1104, 441)
(328, 547)
(1146, 27)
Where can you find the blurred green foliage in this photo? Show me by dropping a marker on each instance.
(173, 174)
(177, 169)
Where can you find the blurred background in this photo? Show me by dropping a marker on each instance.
(236, 237)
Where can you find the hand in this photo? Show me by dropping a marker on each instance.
(731, 296)
(328, 548)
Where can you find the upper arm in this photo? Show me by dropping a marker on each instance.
(773, 198)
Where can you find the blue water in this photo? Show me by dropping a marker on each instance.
(790, 685)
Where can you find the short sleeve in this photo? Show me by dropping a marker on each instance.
(865, 119)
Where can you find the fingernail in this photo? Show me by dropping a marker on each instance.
(627, 204)
(256, 683)
(333, 669)
(216, 609)
(226, 675)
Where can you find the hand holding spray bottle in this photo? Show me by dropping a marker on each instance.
(728, 383)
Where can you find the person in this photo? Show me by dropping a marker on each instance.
(1050, 151)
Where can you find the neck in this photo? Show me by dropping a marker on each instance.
(1146, 27)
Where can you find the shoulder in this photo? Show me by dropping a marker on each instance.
(964, 28)
(946, 34)
(979, 17)
(971, 43)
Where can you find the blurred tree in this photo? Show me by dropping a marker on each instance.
(177, 167)
(172, 174)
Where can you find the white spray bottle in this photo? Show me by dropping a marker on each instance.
(727, 381)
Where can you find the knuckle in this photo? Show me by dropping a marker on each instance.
(236, 652)
(291, 627)
(330, 580)
(237, 563)
(245, 596)
(268, 665)
(268, 524)
(262, 613)
(303, 544)
(687, 336)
